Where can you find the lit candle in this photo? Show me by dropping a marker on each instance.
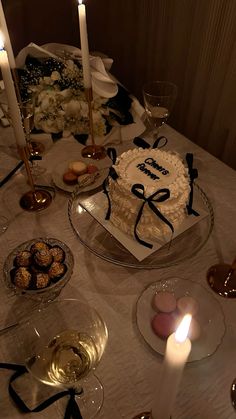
(14, 109)
(178, 348)
(84, 45)
(7, 40)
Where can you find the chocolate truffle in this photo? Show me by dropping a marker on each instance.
(38, 246)
(57, 253)
(23, 259)
(43, 258)
(22, 278)
(41, 280)
(56, 270)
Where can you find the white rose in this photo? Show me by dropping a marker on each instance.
(55, 75)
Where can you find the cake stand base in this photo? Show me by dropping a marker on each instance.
(95, 152)
(36, 201)
(36, 148)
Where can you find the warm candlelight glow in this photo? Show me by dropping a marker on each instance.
(1, 41)
(6, 39)
(80, 1)
(183, 329)
(178, 347)
(14, 110)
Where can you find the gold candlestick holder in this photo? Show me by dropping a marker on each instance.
(93, 151)
(144, 415)
(35, 199)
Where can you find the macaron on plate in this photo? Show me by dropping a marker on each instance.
(161, 306)
(85, 174)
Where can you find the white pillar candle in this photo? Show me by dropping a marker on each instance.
(84, 45)
(14, 110)
(178, 348)
(7, 40)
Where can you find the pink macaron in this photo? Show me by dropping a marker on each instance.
(164, 324)
(164, 301)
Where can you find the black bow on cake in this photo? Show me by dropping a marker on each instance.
(193, 174)
(72, 409)
(140, 142)
(160, 195)
(111, 152)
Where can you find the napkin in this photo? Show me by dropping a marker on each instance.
(102, 82)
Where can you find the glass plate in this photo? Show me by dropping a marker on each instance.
(210, 316)
(49, 292)
(99, 241)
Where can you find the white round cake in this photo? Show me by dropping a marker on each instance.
(155, 170)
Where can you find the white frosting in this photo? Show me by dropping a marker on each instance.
(154, 169)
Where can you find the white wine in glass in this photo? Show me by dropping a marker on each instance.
(62, 344)
(159, 99)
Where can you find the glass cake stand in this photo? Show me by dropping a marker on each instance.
(104, 245)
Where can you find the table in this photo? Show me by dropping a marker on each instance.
(129, 369)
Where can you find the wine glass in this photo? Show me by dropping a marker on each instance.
(62, 343)
(222, 279)
(159, 99)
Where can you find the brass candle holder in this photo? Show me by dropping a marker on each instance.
(35, 199)
(93, 151)
(144, 415)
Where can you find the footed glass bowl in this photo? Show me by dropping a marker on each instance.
(50, 291)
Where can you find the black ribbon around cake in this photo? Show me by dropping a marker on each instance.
(72, 409)
(140, 142)
(193, 174)
(160, 195)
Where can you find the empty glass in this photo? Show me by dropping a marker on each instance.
(159, 99)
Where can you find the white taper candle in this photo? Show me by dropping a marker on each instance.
(14, 110)
(7, 41)
(84, 45)
(178, 348)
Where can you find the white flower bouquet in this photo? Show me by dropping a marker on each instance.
(60, 108)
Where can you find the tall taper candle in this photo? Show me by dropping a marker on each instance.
(178, 348)
(15, 114)
(84, 45)
(6, 38)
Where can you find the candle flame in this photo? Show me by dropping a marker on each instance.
(80, 1)
(1, 41)
(183, 329)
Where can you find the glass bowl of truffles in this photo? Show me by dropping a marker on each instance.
(39, 268)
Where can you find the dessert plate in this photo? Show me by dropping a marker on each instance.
(210, 316)
(61, 168)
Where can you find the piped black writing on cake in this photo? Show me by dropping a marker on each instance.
(151, 162)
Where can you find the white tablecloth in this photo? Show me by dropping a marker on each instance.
(129, 370)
